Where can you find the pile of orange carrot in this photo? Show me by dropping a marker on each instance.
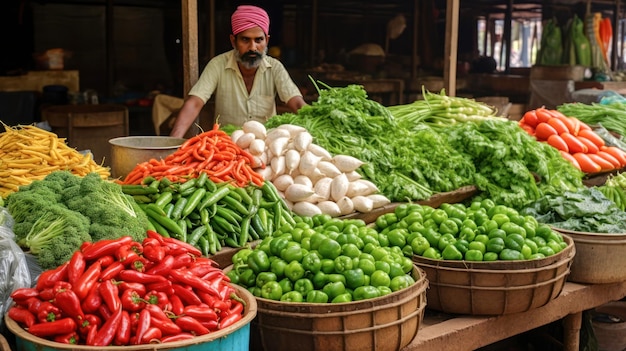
(576, 141)
(212, 152)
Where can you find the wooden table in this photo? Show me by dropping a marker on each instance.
(458, 333)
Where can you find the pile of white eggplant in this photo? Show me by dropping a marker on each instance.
(310, 179)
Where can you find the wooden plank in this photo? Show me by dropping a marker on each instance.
(457, 333)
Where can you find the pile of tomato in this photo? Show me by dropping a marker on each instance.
(576, 141)
(121, 292)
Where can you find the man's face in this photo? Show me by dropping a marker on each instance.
(250, 46)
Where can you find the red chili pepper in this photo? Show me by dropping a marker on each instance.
(122, 337)
(139, 277)
(203, 269)
(107, 332)
(153, 253)
(200, 312)
(93, 300)
(106, 261)
(177, 304)
(127, 254)
(183, 260)
(69, 338)
(112, 271)
(47, 294)
(152, 334)
(87, 280)
(69, 304)
(184, 276)
(177, 337)
(132, 301)
(236, 307)
(188, 296)
(104, 312)
(22, 315)
(20, 295)
(76, 267)
(165, 287)
(91, 320)
(57, 327)
(158, 298)
(207, 299)
(61, 286)
(48, 312)
(176, 245)
(110, 295)
(229, 320)
(210, 324)
(48, 278)
(141, 264)
(163, 267)
(33, 304)
(167, 327)
(192, 325)
(154, 235)
(143, 324)
(91, 334)
(156, 312)
(105, 247)
(138, 287)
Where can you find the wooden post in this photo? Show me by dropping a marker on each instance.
(415, 39)
(190, 43)
(451, 49)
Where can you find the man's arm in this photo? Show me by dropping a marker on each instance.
(295, 103)
(186, 116)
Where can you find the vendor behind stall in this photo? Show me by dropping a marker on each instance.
(245, 80)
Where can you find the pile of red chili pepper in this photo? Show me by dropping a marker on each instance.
(212, 152)
(122, 292)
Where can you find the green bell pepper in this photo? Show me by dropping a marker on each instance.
(354, 278)
(380, 278)
(292, 252)
(271, 291)
(277, 265)
(247, 277)
(445, 240)
(450, 252)
(278, 244)
(329, 248)
(401, 282)
(333, 289)
(258, 261)
(342, 298)
(294, 271)
(303, 286)
(350, 250)
(397, 237)
(286, 285)
(312, 262)
(419, 244)
(509, 254)
(367, 265)
(473, 255)
(317, 296)
(432, 253)
(292, 296)
(342, 263)
(365, 292)
(495, 245)
(265, 277)
(319, 280)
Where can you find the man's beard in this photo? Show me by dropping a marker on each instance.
(250, 59)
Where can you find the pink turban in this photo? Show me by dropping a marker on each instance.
(248, 16)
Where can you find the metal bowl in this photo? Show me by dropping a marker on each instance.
(127, 152)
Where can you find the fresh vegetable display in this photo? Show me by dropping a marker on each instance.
(482, 231)
(311, 180)
(122, 292)
(212, 152)
(576, 141)
(210, 215)
(586, 210)
(30, 153)
(322, 259)
(55, 215)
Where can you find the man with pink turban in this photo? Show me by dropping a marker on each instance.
(245, 80)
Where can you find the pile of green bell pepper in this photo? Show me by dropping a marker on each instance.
(482, 231)
(322, 259)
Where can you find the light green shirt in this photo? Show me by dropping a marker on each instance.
(233, 104)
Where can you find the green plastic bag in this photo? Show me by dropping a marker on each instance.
(551, 51)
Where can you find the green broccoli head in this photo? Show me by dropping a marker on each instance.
(26, 205)
(56, 235)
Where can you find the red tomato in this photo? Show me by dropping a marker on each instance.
(591, 147)
(570, 158)
(593, 136)
(556, 141)
(543, 131)
(604, 163)
(587, 165)
(530, 118)
(574, 144)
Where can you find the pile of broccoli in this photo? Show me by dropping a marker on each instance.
(56, 215)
